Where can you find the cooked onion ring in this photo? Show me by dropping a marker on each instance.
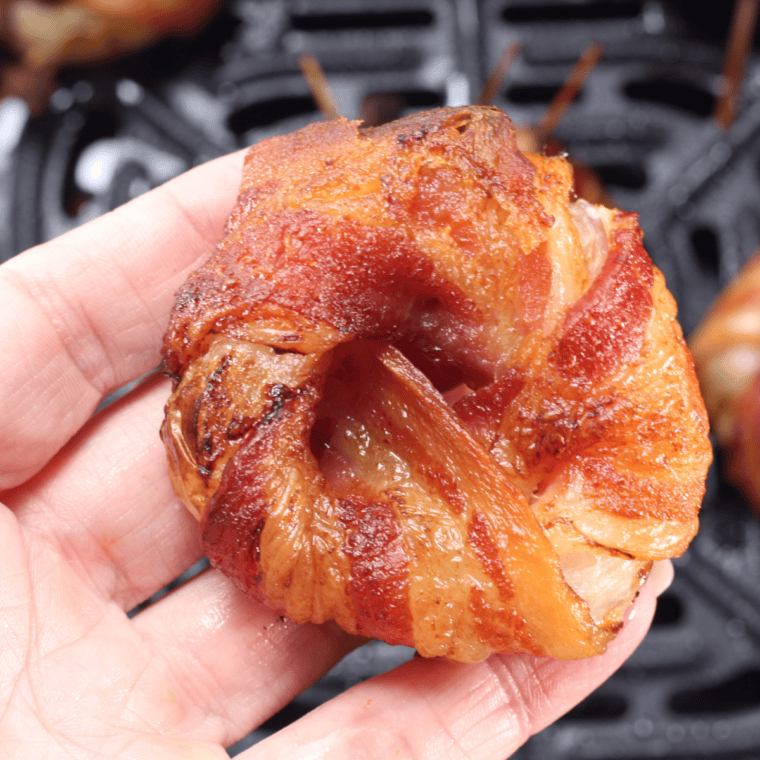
(422, 393)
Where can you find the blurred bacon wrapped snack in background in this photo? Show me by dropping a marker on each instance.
(726, 348)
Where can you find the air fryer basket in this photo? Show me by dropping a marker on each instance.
(643, 121)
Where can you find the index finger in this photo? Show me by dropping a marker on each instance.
(85, 313)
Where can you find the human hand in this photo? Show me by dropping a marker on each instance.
(91, 528)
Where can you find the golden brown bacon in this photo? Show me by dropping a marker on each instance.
(726, 349)
(420, 392)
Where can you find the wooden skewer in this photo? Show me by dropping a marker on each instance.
(379, 108)
(498, 74)
(737, 52)
(569, 91)
(317, 82)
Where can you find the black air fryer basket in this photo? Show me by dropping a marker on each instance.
(643, 121)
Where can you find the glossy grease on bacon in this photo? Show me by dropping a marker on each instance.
(363, 275)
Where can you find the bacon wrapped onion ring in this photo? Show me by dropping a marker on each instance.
(420, 392)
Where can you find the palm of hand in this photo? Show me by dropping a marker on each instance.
(91, 528)
(99, 683)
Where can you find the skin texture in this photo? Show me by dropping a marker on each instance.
(307, 431)
(89, 527)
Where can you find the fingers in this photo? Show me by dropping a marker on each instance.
(85, 313)
(428, 709)
(107, 504)
(232, 662)
(203, 665)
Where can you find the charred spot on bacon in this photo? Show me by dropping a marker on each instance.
(420, 391)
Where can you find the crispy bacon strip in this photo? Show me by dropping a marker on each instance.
(308, 428)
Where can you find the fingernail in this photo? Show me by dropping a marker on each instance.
(661, 575)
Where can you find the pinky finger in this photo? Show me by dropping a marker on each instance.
(428, 709)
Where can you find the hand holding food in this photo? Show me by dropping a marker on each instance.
(365, 278)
